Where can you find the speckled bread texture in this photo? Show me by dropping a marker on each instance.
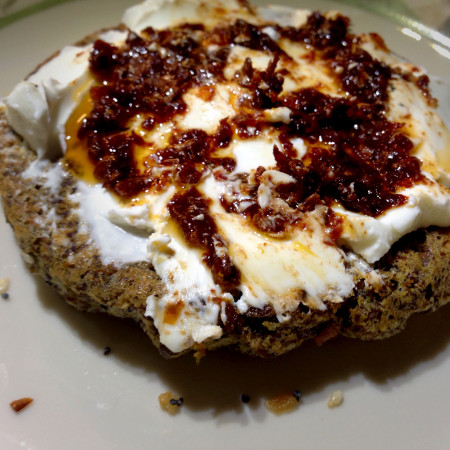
(415, 272)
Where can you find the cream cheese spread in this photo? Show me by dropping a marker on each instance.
(280, 271)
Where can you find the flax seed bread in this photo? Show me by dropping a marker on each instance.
(233, 177)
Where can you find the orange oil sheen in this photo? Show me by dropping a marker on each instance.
(76, 158)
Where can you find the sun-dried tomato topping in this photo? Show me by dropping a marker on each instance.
(361, 160)
(244, 34)
(189, 154)
(264, 85)
(355, 156)
(136, 79)
(320, 32)
(361, 75)
(421, 81)
(190, 210)
(233, 320)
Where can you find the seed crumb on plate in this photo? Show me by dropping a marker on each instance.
(21, 403)
(4, 285)
(170, 403)
(283, 403)
(336, 399)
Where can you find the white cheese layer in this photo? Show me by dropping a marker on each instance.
(281, 272)
(372, 237)
(39, 107)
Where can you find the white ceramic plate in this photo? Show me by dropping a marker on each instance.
(396, 392)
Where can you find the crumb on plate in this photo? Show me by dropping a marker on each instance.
(283, 403)
(170, 402)
(336, 399)
(21, 403)
(4, 285)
